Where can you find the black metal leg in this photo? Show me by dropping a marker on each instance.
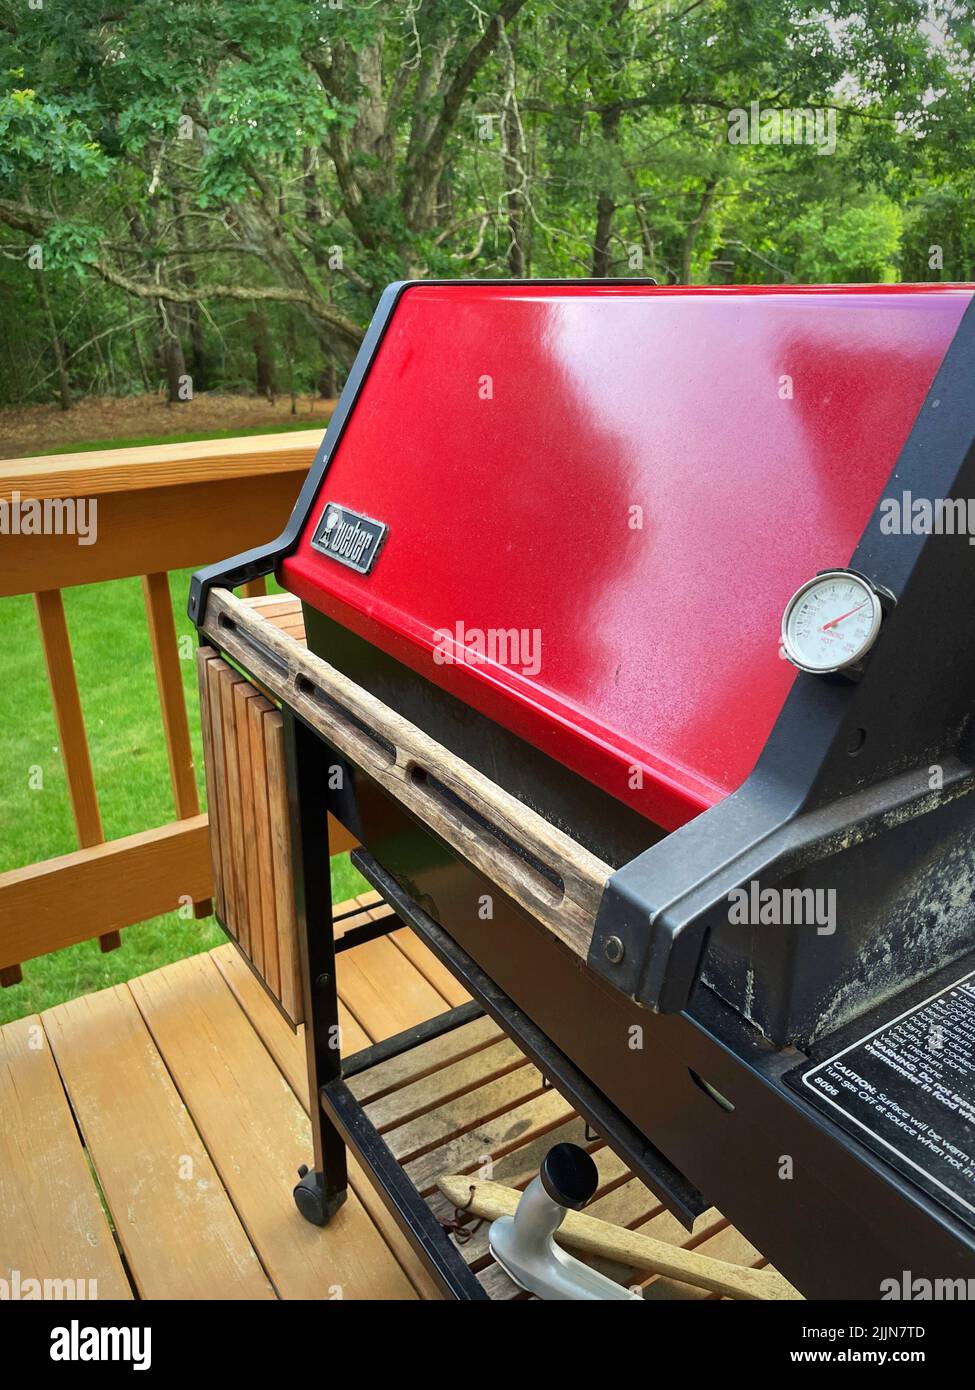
(322, 1191)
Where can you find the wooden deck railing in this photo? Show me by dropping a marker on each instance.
(159, 509)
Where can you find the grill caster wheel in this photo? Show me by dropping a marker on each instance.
(310, 1198)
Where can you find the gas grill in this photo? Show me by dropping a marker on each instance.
(641, 664)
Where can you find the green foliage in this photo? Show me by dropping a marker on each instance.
(307, 152)
(261, 112)
(70, 246)
(938, 237)
(45, 136)
(860, 243)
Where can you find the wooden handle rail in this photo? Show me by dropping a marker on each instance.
(544, 870)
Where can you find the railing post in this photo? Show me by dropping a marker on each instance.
(172, 703)
(159, 508)
(70, 720)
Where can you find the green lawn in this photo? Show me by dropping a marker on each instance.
(110, 640)
(138, 441)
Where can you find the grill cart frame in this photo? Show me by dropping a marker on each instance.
(810, 803)
(706, 1051)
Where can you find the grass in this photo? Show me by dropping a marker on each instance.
(90, 445)
(110, 641)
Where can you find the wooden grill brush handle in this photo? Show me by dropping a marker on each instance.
(587, 1234)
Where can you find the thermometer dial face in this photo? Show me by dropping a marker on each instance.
(831, 622)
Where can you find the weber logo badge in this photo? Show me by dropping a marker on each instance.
(349, 537)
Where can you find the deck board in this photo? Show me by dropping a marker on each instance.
(52, 1224)
(469, 1116)
(384, 992)
(196, 1060)
(258, 1134)
(436, 974)
(285, 1045)
(154, 1170)
(288, 1051)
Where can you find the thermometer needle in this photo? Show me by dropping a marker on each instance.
(833, 621)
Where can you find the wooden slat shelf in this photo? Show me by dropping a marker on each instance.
(250, 842)
(149, 1136)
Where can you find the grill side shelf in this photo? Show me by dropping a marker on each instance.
(544, 870)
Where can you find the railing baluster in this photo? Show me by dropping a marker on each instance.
(159, 508)
(172, 703)
(72, 736)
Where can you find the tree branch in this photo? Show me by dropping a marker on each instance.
(345, 328)
(429, 162)
(35, 221)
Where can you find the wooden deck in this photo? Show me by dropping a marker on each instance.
(150, 1135)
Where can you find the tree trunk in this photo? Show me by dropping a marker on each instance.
(174, 366)
(514, 198)
(64, 391)
(605, 203)
(263, 355)
(327, 382)
(531, 168)
(605, 207)
(425, 169)
(690, 236)
(173, 361)
(194, 314)
(649, 242)
(290, 350)
(169, 350)
(137, 344)
(107, 364)
(512, 162)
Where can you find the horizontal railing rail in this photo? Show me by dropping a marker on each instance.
(159, 508)
(156, 509)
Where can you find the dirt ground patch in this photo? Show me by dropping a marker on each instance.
(34, 429)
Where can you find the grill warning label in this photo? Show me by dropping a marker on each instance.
(908, 1090)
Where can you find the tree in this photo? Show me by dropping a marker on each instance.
(253, 172)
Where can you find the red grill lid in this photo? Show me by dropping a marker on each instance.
(633, 480)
